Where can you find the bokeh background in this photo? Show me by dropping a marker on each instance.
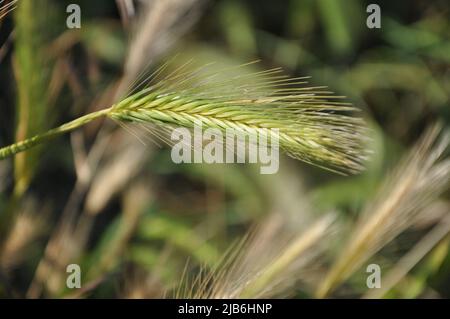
(136, 222)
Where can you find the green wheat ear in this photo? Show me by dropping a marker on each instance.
(313, 125)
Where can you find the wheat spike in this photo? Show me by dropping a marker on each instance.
(313, 126)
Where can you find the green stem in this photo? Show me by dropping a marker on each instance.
(44, 137)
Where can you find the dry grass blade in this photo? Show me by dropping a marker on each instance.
(26, 228)
(6, 7)
(417, 182)
(407, 262)
(158, 25)
(264, 265)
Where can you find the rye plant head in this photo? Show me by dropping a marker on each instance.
(314, 126)
(266, 263)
